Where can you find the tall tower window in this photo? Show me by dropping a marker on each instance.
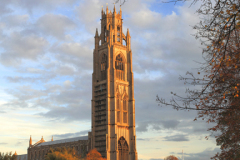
(103, 67)
(119, 65)
(105, 34)
(118, 33)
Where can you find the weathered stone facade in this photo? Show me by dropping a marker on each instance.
(40, 148)
(113, 104)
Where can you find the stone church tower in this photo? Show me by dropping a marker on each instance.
(113, 104)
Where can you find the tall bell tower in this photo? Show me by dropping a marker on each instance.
(113, 103)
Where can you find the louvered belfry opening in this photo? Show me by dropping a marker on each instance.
(119, 66)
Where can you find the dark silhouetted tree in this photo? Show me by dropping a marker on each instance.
(7, 156)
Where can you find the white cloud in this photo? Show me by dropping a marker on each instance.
(54, 25)
(18, 47)
(13, 21)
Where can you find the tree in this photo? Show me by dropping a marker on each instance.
(62, 154)
(218, 99)
(7, 156)
(171, 158)
(94, 155)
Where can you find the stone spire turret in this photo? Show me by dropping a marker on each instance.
(107, 9)
(30, 142)
(114, 9)
(52, 138)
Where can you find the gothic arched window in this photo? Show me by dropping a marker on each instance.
(123, 149)
(119, 63)
(103, 67)
(119, 66)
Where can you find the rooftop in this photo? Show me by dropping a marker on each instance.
(63, 141)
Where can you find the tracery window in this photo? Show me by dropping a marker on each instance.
(119, 65)
(104, 67)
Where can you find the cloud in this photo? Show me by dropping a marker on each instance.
(206, 154)
(176, 138)
(68, 114)
(143, 139)
(3, 143)
(4, 8)
(156, 125)
(34, 5)
(74, 54)
(18, 47)
(13, 21)
(55, 25)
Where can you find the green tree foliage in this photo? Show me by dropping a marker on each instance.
(62, 154)
(7, 156)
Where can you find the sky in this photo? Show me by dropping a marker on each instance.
(46, 59)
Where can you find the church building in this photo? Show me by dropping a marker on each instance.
(113, 104)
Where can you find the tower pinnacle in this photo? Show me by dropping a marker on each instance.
(107, 8)
(114, 9)
(30, 141)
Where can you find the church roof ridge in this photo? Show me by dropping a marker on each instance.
(64, 140)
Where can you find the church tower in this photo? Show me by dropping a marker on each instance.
(113, 103)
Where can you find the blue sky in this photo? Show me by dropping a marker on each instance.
(46, 65)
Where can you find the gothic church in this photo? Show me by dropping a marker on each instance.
(113, 104)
